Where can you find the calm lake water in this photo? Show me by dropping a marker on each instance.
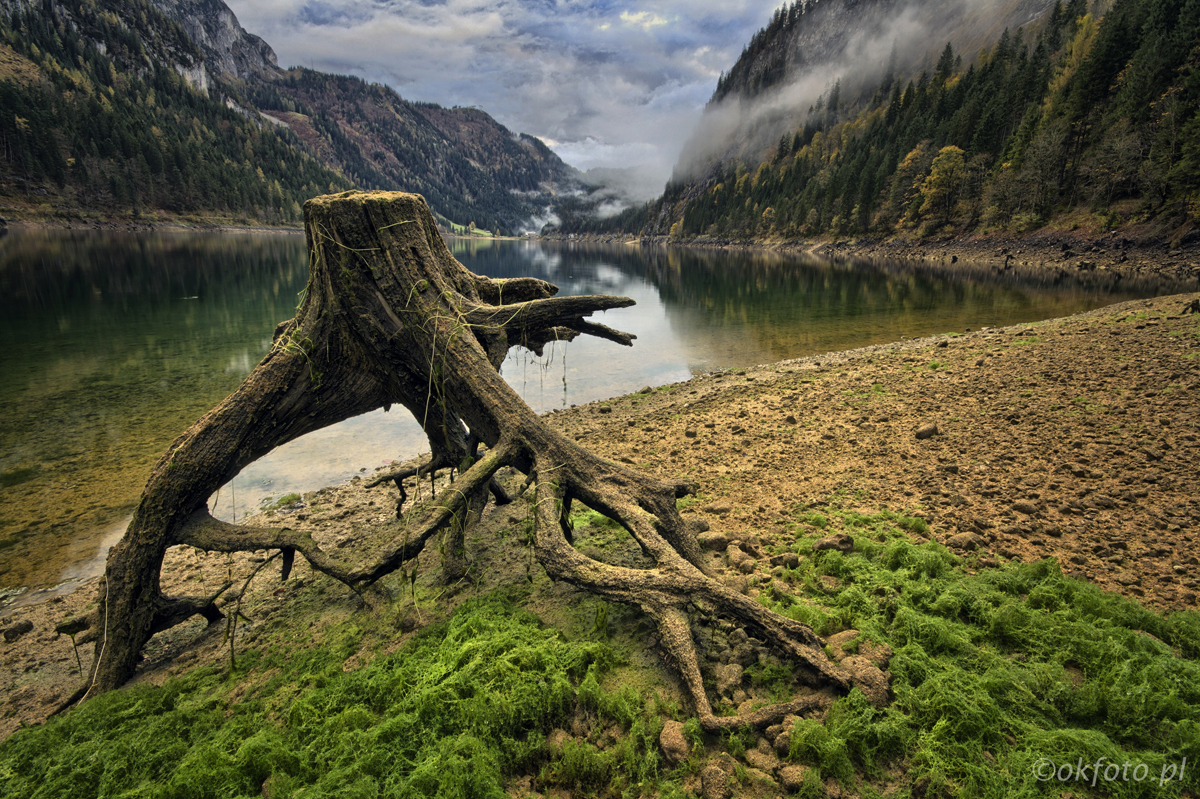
(113, 344)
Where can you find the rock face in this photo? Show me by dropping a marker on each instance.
(229, 51)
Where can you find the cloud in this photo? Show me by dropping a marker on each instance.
(538, 221)
(643, 19)
(609, 84)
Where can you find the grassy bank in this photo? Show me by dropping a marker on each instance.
(994, 675)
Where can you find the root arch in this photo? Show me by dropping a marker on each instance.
(390, 317)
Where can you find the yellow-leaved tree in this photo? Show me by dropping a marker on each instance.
(944, 184)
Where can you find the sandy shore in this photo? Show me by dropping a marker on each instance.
(1072, 438)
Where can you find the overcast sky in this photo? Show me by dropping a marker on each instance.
(603, 82)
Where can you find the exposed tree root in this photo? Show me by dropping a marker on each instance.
(390, 317)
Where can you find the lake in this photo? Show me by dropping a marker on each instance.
(112, 344)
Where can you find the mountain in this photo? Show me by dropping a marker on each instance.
(468, 166)
(1087, 116)
(170, 106)
(229, 52)
(109, 110)
(817, 56)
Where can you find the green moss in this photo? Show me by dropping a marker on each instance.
(452, 713)
(586, 517)
(991, 672)
(814, 519)
(985, 670)
(284, 501)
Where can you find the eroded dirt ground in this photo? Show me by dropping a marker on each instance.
(1073, 438)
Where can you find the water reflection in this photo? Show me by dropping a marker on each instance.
(113, 344)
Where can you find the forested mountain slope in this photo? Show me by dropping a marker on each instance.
(103, 110)
(469, 167)
(132, 107)
(817, 58)
(1091, 117)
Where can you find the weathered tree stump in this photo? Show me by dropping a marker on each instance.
(389, 316)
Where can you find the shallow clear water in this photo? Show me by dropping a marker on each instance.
(113, 344)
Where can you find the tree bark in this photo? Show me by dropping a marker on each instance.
(389, 316)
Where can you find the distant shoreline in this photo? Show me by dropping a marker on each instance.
(144, 226)
(1119, 252)
(201, 224)
(1122, 253)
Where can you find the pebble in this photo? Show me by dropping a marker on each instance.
(15, 631)
(763, 758)
(839, 541)
(965, 541)
(716, 776)
(729, 678)
(792, 777)
(674, 746)
(927, 430)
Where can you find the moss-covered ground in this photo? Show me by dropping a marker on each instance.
(1005, 682)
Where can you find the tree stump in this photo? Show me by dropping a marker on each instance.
(389, 316)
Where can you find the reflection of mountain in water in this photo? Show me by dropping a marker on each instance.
(729, 308)
(105, 362)
(575, 269)
(52, 269)
(726, 305)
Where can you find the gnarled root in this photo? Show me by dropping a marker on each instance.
(390, 317)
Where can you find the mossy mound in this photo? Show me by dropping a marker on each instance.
(459, 707)
(995, 674)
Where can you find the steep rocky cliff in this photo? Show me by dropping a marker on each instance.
(229, 51)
